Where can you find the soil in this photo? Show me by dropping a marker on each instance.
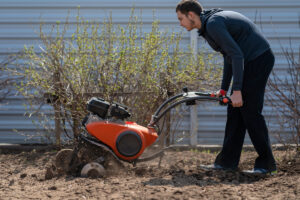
(178, 177)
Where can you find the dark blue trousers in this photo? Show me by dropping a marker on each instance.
(249, 117)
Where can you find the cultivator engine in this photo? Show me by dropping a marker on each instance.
(108, 140)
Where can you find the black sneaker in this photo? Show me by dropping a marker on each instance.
(260, 171)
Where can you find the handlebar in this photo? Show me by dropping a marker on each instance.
(189, 98)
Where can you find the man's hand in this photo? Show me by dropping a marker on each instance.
(236, 99)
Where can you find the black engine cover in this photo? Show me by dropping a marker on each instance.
(104, 109)
(98, 106)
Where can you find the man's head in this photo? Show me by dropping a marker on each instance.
(188, 12)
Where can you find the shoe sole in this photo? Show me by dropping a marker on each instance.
(216, 169)
(249, 172)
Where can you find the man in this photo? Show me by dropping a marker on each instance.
(248, 60)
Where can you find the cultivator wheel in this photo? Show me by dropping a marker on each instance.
(86, 160)
(93, 170)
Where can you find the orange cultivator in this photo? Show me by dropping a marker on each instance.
(108, 139)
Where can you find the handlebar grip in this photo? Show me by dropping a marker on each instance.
(223, 92)
(226, 100)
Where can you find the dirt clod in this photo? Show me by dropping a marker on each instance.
(23, 175)
(49, 173)
(52, 188)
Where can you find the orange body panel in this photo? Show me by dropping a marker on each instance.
(108, 132)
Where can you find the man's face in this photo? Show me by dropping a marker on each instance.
(186, 21)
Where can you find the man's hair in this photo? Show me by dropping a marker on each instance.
(185, 6)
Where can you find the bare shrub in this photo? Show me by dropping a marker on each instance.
(284, 97)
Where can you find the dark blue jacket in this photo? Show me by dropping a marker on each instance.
(237, 38)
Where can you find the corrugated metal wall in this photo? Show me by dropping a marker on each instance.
(19, 25)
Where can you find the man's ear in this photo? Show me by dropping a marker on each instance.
(191, 15)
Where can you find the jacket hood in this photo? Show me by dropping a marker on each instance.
(204, 15)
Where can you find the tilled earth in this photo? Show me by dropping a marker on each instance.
(178, 177)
